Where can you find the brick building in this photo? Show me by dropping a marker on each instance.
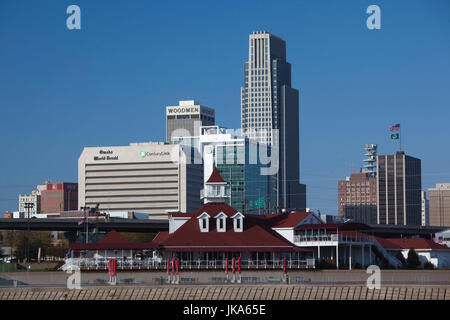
(358, 198)
(59, 196)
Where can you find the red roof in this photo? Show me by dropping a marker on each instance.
(113, 237)
(287, 220)
(215, 177)
(256, 236)
(161, 237)
(408, 243)
(214, 208)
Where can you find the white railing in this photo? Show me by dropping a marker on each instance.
(102, 264)
(214, 193)
(332, 237)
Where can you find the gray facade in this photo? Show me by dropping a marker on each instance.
(270, 114)
(186, 119)
(399, 185)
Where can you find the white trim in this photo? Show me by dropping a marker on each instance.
(201, 216)
(220, 214)
(237, 213)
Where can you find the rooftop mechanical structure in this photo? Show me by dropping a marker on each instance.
(370, 166)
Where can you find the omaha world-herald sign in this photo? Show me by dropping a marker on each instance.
(105, 155)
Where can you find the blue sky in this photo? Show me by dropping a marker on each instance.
(109, 83)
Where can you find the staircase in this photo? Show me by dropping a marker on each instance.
(393, 261)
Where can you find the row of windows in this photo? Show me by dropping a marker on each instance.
(261, 78)
(259, 72)
(52, 196)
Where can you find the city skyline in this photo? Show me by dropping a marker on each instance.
(63, 90)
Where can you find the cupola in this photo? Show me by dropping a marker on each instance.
(216, 189)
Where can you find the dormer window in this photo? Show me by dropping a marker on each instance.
(238, 222)
(221, 222)
(203, 221)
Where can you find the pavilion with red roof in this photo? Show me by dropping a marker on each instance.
(217, 231)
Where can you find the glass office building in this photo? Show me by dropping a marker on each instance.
(237, 159)
(251, 192)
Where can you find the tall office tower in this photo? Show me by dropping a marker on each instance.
(399, 183)
(425, 209)
(439, 201)
(187, 118)
(269, 114)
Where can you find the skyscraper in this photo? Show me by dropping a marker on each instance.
(399, 185)
(270, 114)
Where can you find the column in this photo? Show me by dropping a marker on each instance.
(337, 257)
(350, 259)
(318, 253)
(363, 258)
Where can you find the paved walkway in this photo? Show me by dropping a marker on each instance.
(227, 292)
(318, 277)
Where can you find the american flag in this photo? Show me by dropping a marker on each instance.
(395, 127)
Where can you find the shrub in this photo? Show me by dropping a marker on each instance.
(428, 265)
(413, 259)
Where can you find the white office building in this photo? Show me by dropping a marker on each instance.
(152, 178)
(34, 198)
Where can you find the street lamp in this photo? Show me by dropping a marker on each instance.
(86, 220)
(28, 206)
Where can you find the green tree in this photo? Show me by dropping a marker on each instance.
(32, 241)
(413, 259)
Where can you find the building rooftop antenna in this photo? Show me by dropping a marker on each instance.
(370, 166)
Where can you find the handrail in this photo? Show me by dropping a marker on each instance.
(209, 264)
(333, 237)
